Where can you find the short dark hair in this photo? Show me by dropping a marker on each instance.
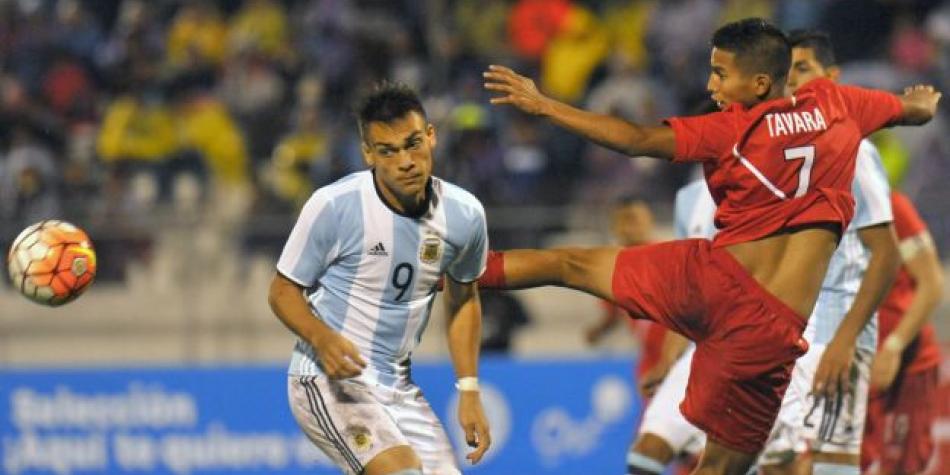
(816, 40)
(388, 101)
(759, 46)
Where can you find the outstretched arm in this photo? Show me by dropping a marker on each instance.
(465, 332)
(611, 132)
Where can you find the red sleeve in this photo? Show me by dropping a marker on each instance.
(907, 222)
(703, 137)
(870, 108)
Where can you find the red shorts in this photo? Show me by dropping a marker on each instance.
(897, 431)
(747, 340)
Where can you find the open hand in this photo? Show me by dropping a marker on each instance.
(515, 89)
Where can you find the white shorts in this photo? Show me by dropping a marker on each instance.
(663, 417)
(353, 422)
(809, 424)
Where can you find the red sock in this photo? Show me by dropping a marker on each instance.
(494, 275)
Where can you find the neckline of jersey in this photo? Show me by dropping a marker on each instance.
(419, 212)
(802, 92)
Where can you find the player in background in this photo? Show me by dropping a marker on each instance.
(631, 225)
(664, 434)
(356, 281)
(780, 170)
(823, 412)
(904, 376)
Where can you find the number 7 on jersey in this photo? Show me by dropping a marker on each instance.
(807, 153)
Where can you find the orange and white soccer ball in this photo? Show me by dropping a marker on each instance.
(52, 262)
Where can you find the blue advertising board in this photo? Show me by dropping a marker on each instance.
(561, 417)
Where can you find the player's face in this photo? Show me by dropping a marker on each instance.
(633, 224)
(805, 67)
(728, 84)
(401, 153)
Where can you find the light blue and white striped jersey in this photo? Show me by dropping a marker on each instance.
(370, 273)
(693, 211)
(850, 260)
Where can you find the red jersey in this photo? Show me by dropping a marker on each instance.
(923, 352)
(784, 162)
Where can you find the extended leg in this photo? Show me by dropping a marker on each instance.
(586, 269)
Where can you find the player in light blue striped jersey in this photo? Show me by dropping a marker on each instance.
(356, 283)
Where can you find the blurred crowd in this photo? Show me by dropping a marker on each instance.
(119, 114)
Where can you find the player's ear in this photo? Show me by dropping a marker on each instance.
(430, 134)
(762, 84)
(367, 152)
(834, 73)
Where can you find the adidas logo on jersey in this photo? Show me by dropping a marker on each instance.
(378, 250)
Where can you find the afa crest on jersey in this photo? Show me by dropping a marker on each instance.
(431, 250)
(360, 437)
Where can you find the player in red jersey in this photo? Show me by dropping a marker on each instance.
(631, 225)
(902, 409)
(780, 171)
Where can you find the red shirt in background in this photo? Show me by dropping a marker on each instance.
(923, 352)
(651, 336)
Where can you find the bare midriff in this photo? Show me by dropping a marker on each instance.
(790, 265)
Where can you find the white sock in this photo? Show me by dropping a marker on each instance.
(639, 463)
(825, 468)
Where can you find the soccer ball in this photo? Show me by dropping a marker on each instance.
(52, 262)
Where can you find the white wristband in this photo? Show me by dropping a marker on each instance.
(468, 383)
(893, 343)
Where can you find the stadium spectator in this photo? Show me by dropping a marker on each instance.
(573, 54)
(260, 25)
(197, 36)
